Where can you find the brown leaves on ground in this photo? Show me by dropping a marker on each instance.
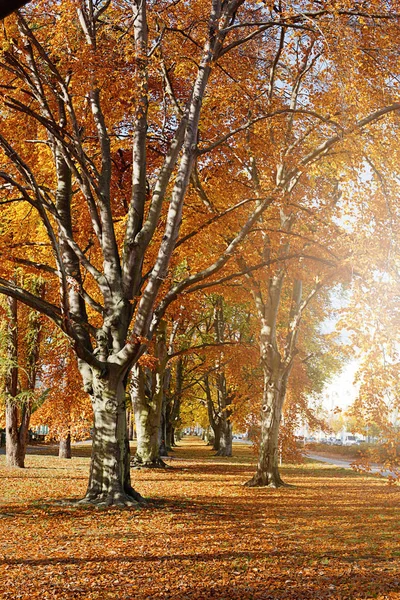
(202, 535)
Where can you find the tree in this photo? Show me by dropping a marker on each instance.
(148, 392)
(75, 94)
(121, 288)
(20, 338)
(66, 410)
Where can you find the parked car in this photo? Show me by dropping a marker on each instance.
(350, 440)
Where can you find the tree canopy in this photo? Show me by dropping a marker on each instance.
(150, 151)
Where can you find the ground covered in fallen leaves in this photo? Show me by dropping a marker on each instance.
(202, 534)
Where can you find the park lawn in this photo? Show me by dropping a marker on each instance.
(336, 534)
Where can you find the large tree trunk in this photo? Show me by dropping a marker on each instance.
(213, 417)
(64, 449)
(225, 443)
(222, 425)
(216, 442)
(277, 369)
(147, 405)
(267, 473)
(109, 479)
(147, 409)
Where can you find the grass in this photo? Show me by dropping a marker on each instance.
(202, 535)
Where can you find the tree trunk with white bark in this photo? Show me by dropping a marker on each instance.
(267, 473)
(277, 366)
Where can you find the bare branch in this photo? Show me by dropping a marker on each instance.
(205, 345)
(217, 265)
(275, 113)
(213, 219)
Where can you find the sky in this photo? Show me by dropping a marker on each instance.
(341, 391)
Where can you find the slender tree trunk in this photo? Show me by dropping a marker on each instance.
(163, 428)
(175, 436)
(17, 417)
(16, 437)
(170, 441)
(174, 404)
(207, 435)
(130, 427)
(18, 413)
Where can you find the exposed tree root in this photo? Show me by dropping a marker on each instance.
(158, 463)
(117, 499)
(266, 481)
(223, 453)
(135, 495)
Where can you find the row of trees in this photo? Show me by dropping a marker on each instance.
(153, 151)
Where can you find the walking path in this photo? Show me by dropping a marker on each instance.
(344, 463)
